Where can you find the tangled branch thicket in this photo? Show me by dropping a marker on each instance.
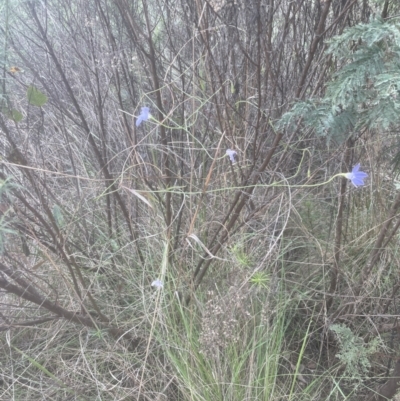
(258, 255)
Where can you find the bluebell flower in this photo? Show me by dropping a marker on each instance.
(144, 115)
(356, 177)
(157, 283)
(231, 153)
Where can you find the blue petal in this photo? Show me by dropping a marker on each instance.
(138, 121)
(231, 153)
(144, 115)
(357, 181)
(157, 283)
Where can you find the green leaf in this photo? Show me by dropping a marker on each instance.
(35, 97)
(58, 216)
(13, 114)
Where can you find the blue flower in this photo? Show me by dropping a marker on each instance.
(231, 153)
(356, 177)
(144, 115)
(157, 283)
